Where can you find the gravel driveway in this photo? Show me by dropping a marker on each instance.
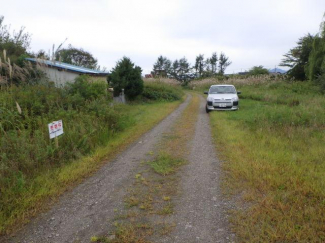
(85, 211)
(201, 210)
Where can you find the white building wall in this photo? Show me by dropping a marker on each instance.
(60, 78)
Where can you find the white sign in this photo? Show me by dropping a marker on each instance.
(55, 129)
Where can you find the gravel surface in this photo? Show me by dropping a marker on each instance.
(86, 210)
(201, 211)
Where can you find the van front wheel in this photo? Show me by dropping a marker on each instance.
(206, 109)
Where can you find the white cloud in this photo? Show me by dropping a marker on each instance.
(251, 32)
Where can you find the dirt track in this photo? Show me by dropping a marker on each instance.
(200, 214)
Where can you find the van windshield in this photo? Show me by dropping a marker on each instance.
(222, 90)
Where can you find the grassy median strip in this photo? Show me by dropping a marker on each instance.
(150, 198)
(274, 155)
(52, 182)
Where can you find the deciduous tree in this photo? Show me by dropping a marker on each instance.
(297, 58)
(214, 62)
(163, 64)
(78, 57)
(256, 70)
(316, 60)
(199, 64)
(223, 63)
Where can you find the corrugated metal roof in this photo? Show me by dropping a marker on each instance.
(67, 66)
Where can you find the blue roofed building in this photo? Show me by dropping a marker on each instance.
(61, 73)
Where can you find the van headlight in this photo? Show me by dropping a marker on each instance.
(210, 99)
(235, 99)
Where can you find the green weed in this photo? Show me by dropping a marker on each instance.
(165, 164)
(166, 210)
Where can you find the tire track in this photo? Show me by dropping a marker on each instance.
(201, 211)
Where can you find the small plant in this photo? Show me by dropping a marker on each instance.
(132, 201)
(167, 209)
(165, 164)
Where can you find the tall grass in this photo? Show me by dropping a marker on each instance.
(168, 81)
(31, 166)
(237, 80)
(274, 152)
(161, 91)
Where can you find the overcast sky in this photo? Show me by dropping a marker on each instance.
(250, 32)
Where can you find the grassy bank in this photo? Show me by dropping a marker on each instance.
(33, 172)
(274, 154)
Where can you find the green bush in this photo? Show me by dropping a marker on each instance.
(126, 76)
(86, 89)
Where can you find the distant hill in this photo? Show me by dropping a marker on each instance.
(277, 70)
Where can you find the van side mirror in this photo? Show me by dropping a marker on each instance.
(238, 92)
(206, 92)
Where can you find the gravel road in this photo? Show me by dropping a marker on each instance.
(200, 210)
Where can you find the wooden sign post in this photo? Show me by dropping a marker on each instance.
(55, 130)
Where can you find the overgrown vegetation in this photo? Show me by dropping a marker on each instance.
(278, 172)
(28, 157)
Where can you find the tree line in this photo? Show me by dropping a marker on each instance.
(307, 60)
(183, 71)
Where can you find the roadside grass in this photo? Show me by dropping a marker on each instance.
(273, 148)
(150, 197)
(31, 196)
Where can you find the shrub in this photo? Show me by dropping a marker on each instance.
(128, 77)
(86, 89)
